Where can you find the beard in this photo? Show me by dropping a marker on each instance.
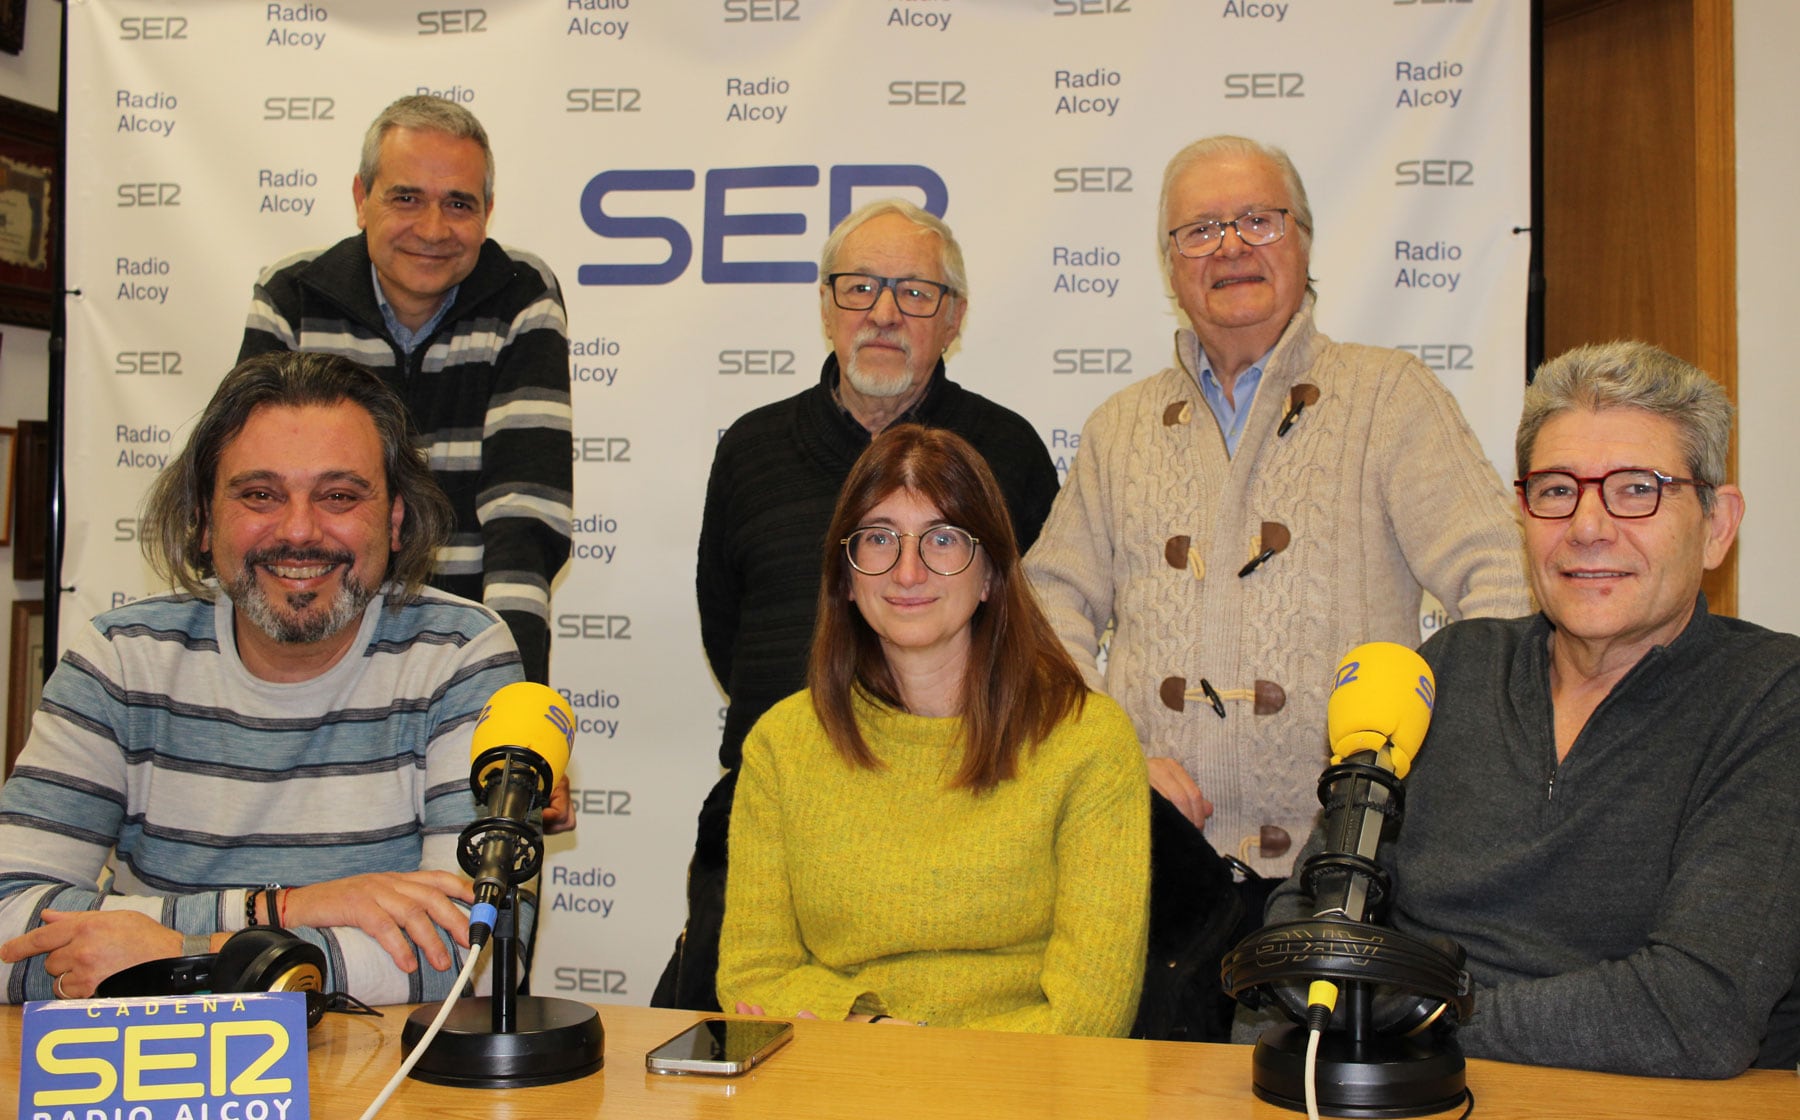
(872, 384)
(304, 620)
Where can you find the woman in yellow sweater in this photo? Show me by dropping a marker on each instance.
(946, 826)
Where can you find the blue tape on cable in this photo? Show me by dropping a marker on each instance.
(484, 914)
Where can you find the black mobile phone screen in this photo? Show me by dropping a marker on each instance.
(721, 1040)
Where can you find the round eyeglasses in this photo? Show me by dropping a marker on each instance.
(1629, 493)
(874, 550)
(859, 291)
(1254, 227)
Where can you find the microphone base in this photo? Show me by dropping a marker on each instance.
(1382, 1077)
(555, 1040)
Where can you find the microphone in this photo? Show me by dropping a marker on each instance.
(1377, 716)
(520, 750)
(1372, 1053)
(521, 747)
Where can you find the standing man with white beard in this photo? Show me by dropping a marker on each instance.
(892, 294)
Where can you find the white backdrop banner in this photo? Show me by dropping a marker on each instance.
(679, 163)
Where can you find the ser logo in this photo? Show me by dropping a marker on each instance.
(594, 627)
(603, 449)
(148, 363)
(720, 221)
(620, 99)
(453, 21)
(1090, 7)
(225, 1056)
(299, 108)
(927, 93)
(600, 803)
(598, 981)
(1259, 86)
(153, 27)
(1442, 356)
(129, 529)
(1434, 173)
(1091, 359)
(762, 11)
(1092, 180)
(756, 362)
(149, 194)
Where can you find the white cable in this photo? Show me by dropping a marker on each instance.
(1312, 1079)
(431, 1032)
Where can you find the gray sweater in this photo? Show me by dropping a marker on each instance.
(1636, 908)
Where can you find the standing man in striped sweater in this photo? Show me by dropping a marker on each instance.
(282, 741)
(474, 338)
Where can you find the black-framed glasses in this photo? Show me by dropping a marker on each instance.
(875, 549)
(858, 291)
(1255, 227)
(1629, 493)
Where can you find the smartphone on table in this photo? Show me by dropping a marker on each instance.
(720, 1047)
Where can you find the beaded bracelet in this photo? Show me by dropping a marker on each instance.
(268, 893)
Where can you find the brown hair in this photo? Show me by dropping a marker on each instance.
(178, 508)
(1019, 682)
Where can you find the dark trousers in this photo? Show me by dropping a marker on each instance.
(1198, 911)
(688, 981)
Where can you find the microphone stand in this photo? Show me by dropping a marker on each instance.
(1359, 1072)
(508, 1040)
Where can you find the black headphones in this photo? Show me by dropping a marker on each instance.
(1417, 982)
(259, 959)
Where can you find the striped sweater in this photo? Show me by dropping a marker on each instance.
(161, 776)
(489, 395)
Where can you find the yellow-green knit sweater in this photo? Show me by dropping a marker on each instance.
(1020, 909)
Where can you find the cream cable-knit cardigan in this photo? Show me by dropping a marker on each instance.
(1384, 490)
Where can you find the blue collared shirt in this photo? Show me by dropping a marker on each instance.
(1231, 416)
(408, 339)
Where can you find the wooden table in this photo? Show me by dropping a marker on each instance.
(871, 1072)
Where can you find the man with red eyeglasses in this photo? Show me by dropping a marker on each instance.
(1603, 813)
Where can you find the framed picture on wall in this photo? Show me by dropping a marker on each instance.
(12, 26)
(29, 143)
(25, 681)
(30, 492)
(8, 440)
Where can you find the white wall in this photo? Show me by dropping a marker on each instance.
(1768, 166)
(24, 354)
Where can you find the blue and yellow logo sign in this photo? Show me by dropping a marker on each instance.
(214, 1057)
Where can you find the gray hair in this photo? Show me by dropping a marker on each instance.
(950, 257)
(1630, 374)
(178, 509)
(1213, 147)
(426, 112)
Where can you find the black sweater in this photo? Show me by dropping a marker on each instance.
(775, 480)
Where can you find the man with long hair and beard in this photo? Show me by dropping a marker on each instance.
(284, 739)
